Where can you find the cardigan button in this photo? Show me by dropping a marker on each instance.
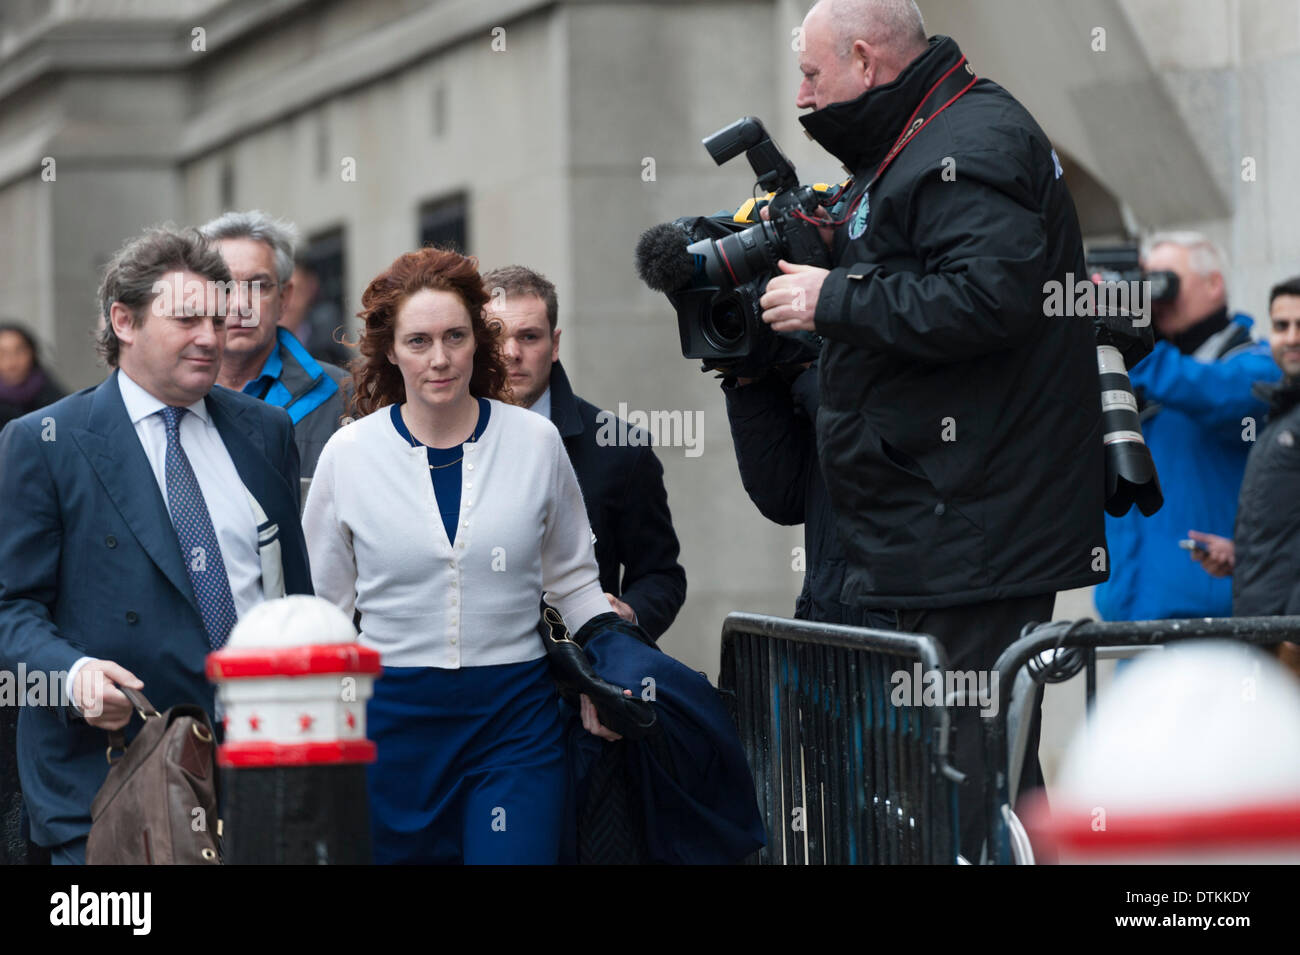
(132, 617)
(110, 540)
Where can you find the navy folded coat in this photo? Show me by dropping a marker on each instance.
(691, 788)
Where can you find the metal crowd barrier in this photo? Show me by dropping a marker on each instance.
(1082, 643)
(843, 775)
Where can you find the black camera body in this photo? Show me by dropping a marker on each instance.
(716, 277)
(787, 234)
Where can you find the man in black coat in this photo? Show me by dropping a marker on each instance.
(774, 430)
(960, 424)
(623, 486)
(1263, 556)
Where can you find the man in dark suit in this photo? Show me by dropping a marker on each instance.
(130, 545)
(622, 485)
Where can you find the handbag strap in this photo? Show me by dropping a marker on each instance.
(555, 622)
(117, 737)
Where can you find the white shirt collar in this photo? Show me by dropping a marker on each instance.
(140, 404)
(543, 404)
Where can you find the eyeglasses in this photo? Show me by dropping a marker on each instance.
(264, 284)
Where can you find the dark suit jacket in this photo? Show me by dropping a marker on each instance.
(90, 566)
(628, 509)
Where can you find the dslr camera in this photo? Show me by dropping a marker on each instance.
(714, 269)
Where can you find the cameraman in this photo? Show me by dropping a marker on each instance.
(960, 427)
(774, 429)
(1194, 390)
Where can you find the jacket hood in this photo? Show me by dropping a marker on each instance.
(860, 132)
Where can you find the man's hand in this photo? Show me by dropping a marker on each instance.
(622, 609)
(99, 700)
(591, 721)
(1220, 555)
(791, 298)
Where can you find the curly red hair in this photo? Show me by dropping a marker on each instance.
(378, 382)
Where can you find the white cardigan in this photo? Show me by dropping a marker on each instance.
(377, 542)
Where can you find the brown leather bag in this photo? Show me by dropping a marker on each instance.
(147, 811)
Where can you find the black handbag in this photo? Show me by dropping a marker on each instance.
(630, 716)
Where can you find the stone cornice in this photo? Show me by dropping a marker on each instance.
(162, 47)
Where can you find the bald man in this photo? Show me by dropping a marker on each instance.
(960, 427)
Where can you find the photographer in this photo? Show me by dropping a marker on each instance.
(960, 427)
(1195, 391)
(774, 429)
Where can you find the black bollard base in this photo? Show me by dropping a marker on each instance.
(296, 815)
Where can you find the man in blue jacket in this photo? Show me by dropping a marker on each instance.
(130, 547)
(261, 358)
(1200, 418)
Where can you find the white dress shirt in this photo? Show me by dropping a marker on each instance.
(377, 542)
(543, 404)
(219, 480)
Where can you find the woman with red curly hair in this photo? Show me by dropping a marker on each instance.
(443, 516)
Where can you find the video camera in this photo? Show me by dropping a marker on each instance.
(714, 269)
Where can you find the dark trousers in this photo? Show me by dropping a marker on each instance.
(973, 637)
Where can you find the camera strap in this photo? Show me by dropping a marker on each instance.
(954, 86)
(950, 88)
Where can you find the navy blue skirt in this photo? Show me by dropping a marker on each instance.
(470, 765)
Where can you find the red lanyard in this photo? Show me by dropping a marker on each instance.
(914, 125)
(911, 128)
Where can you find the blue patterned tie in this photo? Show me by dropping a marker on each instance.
(198, 539)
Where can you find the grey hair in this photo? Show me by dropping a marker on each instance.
(131, 274)
(891, 24)
(1202, 254)
(279, 234)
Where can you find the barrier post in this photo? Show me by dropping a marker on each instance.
(292, 685)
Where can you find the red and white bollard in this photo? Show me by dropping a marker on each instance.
(292, 685)
(1191, 757)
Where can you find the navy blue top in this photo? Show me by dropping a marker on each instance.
(444, 466)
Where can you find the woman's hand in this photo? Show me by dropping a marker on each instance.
(591, 721)
(622, 609)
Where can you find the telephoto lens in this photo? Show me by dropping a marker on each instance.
(1130, 472)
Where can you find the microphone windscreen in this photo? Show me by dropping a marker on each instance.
(662, 260)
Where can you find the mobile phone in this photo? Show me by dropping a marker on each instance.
(1189, 544)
